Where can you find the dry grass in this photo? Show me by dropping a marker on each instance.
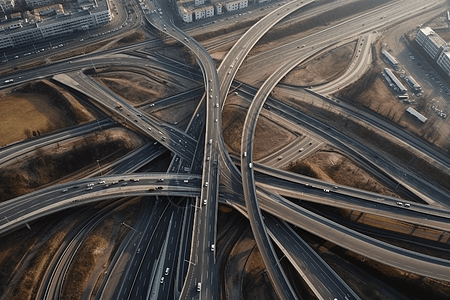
(140, 87)
(322, 68)
(86, 259)
(37, 108)
(256, 284)
(269, 136)
(51, 165)
(333, 167)
(79, 51)
(25, 285)
(132, 38)
(178, 115)
(23, 66)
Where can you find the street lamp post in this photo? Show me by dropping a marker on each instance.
(98, 163)
(123, 223)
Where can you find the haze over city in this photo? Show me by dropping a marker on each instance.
(224, 149)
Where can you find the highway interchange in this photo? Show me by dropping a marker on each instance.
(249, 192)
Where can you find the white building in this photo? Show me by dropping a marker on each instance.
(443, 60)
(219, 10)
(397, 84)
(431, 42)
(190, 2)
(199, 13)
(58, 25)
(416, 114)
(236, 4)
(203, 12)
(185, 13)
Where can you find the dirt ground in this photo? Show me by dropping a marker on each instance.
(177, 115)
(256, 283)
(96, 251)
(37, 108)
(72, 159)
(332, 166)
(269, 136)
(322, 68)
(142, 86)
(29, 253)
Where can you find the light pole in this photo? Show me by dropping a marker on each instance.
(123, 223)
(98, 163)
(400, 181)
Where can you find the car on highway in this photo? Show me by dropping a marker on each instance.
(167, 271)
(64, 190)
(199, 287)
(250, 165)
(212, 247)
(162, 280)
(205, 201)
(206, 183)
(185, 181)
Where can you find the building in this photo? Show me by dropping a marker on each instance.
(391, 60)
(54, 26)
(191, 2)
(393, 81)
(203, 12)
(443, 60)
(38, 3)
(218, 7)
(7, 5)
(185, 13)
(416, 114)
(194, 10)
(413, 84)
(431, 42)
(235, 5)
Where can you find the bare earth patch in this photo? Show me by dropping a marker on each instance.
(322, 68)
(335, 168)
(269, 136)
(37, 108)
(178, 115)
(133, 87)
(142, 86)
(52, 165)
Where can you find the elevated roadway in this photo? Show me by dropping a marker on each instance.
(29, 207)
(203, 269)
